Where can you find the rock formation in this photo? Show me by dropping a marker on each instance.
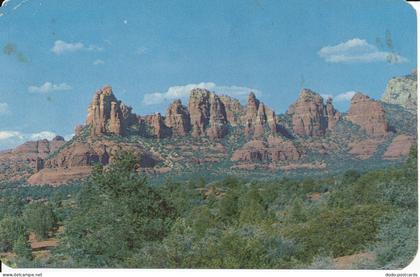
(310, 116)
(207, 113)
(107, 115)
(364, 149)
(40, 148)
(253, 137)
(399, 147)
(368, 114)
(158, 127)
(234, 110)
(402, 91)
(274, 149)
(332, 114)
(257, 117)
(178, 119)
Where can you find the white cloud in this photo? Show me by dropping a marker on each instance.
(177, 92)
(326, 96)
(346, 96)
(4, 135)
(358, 50)
(42, 135)
(342, 97)
(98, 62)
(4, 108)
(48, 87)
(61, 47)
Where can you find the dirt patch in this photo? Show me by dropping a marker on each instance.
(346, 262)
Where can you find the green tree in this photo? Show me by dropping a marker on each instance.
(252, 207)
(40, 218)
(22, 248)
(11, 228)
(297, 212)
(228, 207)
(202, 220)
(117, 213)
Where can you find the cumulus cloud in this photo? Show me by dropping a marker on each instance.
(43, 135)
(177, 92)
(326, 96)
(344, 97)
(61, 47)
(4, 135)
(358, 50)
(4, 108)
(48, 87)
(98, 62)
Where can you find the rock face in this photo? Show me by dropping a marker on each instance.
(368, 114)
(207, 113)
(257, 117)
(85, 154)
(107, 115)
(40, 148)
(28, 157)
(274, 149)
(332, 114)
(178, 119)
(310, 116)
(400, 147)
(56, 176)
(402, 91)
(157, 125)
(364, 149)
(234, 110)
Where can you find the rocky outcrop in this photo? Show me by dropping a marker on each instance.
(257, 117)
(368, 114)
(399, 147)
(234, 110)
(39, 148)
(199, 108)
(57, 176)
(364, 149)
(310, 116)
(274, 149)
(207, 113)
(99, 152)
(402, 91)
(157, 125)
(178, 119)
(333, 116)
(107, 115)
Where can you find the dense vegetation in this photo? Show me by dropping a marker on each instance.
(118, 219)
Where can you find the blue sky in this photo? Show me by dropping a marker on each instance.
(56, 54)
